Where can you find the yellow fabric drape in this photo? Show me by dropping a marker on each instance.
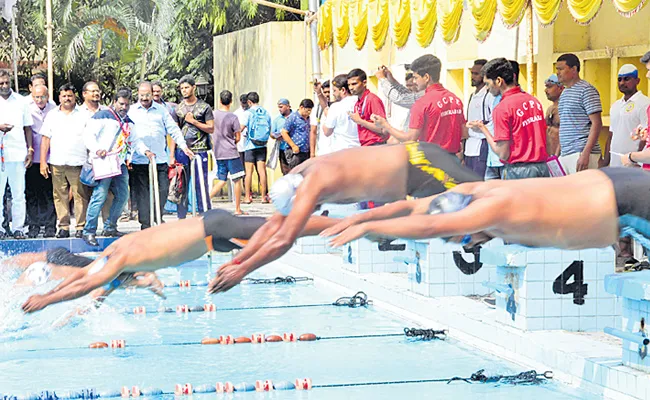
(325, 34)
(358, 12)
(342, 22)
(583, 11)
(425, 18)
(378, 17)
(483, 13)
(628, 8)
(401, 12)
(449, 14)
(512, 11)
(546, 10)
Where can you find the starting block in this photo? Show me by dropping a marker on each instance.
(437, 268)
(364, 256)
(633, 288)
(549, 289)
(313, 245)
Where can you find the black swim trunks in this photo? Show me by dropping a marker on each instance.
(632, 190)
(432, 170)
(63, 257)
(221, 226)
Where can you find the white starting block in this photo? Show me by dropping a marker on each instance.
(634, 290)
(437, 268)
(548, 289)
(364, 256)
(313, 245)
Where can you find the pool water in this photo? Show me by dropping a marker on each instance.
(35, 357)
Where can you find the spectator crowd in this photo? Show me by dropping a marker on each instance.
(88, 160)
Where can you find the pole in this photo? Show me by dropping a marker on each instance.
(14, 33)
(50, 58)
(315, 51)
(281, 7)
(530, 50)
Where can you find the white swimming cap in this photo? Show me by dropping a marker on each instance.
(38, 273)
(283, 192)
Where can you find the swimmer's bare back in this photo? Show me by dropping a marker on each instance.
(376, 173)
(573, 212)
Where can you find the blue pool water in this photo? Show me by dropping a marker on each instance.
(30, 361)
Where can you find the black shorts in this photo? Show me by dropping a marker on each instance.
(220, 226)
(631, 188)
(63, 257)
(255, 155)
(433, 170)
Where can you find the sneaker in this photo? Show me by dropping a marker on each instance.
(19, 235)
(63, 234)
(112, 233)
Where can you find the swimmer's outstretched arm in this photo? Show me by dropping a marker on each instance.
(77, 285)
(479, 215)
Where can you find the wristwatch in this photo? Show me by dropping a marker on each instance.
(31, 149)
(629, 157)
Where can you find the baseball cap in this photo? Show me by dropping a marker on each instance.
(553, 79)
(284, 101)
(628, 70)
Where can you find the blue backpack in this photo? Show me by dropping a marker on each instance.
(259, 128)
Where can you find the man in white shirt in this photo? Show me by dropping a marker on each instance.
(153, 123)
(337, 125)
(62, 136)
(319, 144)
(479, 108)
(38, 189)
(243, 115)
(108, 135)
(16, 152)
(626, 114)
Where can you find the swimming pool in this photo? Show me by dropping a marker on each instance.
(161, 352)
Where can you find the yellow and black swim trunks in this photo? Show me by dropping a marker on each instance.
(433, 170)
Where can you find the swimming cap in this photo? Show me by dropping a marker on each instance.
(449, 202)
(99, 265)
(39, 272)
(283, 192)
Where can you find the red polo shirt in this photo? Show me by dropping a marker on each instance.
(439, 117)
(367, 105)
(647, 143)
(519, 118)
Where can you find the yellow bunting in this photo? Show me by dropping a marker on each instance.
(425, 18)
(449, 15)
(358, 12)
(325, 34)
(342, 22)
(512, 11)
(546, 10)
(401, 12)
(583, 11)
(628, 8)
(483, 13)
(378, 19)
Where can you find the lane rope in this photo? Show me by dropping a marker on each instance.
(250, 281)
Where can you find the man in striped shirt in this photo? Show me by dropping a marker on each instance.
(580, 118)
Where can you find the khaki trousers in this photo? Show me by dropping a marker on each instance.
(65, 178)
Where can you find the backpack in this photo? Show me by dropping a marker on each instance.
(259, 128)
(177, 183)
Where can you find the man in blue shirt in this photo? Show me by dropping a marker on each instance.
(284, 107)
(154, 123)
(296, 136)
(258, 129)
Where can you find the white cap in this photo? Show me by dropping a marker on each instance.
(628, 70)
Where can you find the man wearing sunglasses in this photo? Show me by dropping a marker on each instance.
(627, 114)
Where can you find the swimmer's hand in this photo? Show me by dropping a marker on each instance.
(228, 276)
(344, 224)
(149, 280)
(350, 234)
(35, 303)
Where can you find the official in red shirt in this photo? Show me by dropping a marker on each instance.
(367, 104)
(437, 117)
(519, 125)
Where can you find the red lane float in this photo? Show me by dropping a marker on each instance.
(209, 307)
(289, 337)
(210, 341)
(263, 386)
(226, 339)
(258, 338)
(125, 392)
(243, 339)
(185, 389)
(184, 284)
(225, 387)
(140, 310)
(307, 337)
(118, 343)
(98, 345)
(273, 338)
(183, 308)
(303, 384)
